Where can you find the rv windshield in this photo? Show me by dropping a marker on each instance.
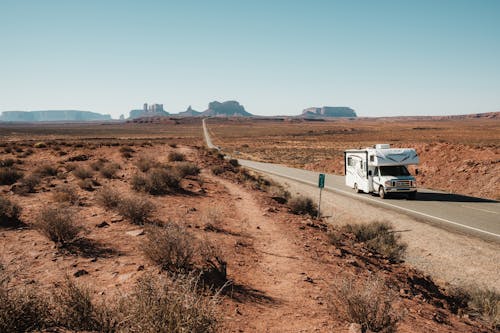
(394, 170)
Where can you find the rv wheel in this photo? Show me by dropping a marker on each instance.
(412, 195)
(356, 188)
(381, 192)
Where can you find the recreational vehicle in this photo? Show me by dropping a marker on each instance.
(381, 170)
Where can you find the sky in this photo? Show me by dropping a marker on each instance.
(381, 58)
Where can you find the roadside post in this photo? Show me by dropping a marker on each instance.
(321, 185)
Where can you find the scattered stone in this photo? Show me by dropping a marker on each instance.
(93, 260)
(103, 224)
(116, 219)
(355, 328)
(135, 233)
(309, 279)
(140, 268)
(80, 272)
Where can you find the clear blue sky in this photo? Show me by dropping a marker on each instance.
(274, 57)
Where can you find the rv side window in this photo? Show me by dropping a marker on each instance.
(375, 173)
(349, 161)
(372, 158)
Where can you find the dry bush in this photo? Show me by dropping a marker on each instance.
(28, 184)
(9, 213)
(66, 194)
(7, 163)
(161, 305)
(218, 169)
(480, 302)
(108, 197)
(97, 165)
(146, 162)
(137, 209)
(46, 170)
(184, 169)
(212, 218)
(278, 193)
(302, 205)
(58, 224)
(127, 152)
(369, 304)
(234, 162)
(23, 309)
(176, 157)
(86, 184)
(157, 181)
(9, 176)
(171, 247)
(109, 170)
(82, 172)
(78, 158)
(380, 237)
(75, 310)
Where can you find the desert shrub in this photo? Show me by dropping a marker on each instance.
(217, 169)
(170, 246)
(86, 184)
(161, 305)
(82, 172)
(136, 209)
(302, 205)
(66, 194)
(234, 162)
(8, 150)
(380, 237)
(157, 181)
(46, 170)
(78, 158)
(9, 176)
(23, 309)
(9, 213)
(28, 184)
(7, 163)
(184, 169)
(479, 302)
(58, 224)
(144, 163)
(369, 304)
(109, 170)
(126, 151)
(212, 218)
(278, 193)
(108, 197)
(40, 145)
(173, 144)
(176, 157)
(78, 312)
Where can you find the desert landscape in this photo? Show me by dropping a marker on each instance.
(137, 227)
(458, 154)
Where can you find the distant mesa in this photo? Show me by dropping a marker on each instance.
(52, 115)
(226, 109)
(153, 110)
(329, 111)
(189, 113)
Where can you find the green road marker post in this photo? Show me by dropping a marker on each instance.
(321, 185)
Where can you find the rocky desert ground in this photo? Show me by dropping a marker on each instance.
(458, 154)
(139, 228)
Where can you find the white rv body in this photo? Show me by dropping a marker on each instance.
(381, 170)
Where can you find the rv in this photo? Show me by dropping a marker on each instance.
(381, 170)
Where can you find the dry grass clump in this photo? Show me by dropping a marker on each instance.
(170, 246)
(28, 184)
(136, 209)
(58, 224)
(175, 156)
(82, 172)
(87, 184)
(46, 170)
(66, 194)
(108, 197)
(157, 181)
(380, 237)
(212, 218)
(7, 163)
(479, 302)
(369, 304)
(109, 170)
(160, 305)
(9, 176)
(146, 162)
(302, 206)
(126, 151)
(184, 169)
(9, 213)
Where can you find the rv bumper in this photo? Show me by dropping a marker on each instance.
(400, 189)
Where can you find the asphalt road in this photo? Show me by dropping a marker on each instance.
(476, 216)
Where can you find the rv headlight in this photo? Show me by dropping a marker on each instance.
(388, 183)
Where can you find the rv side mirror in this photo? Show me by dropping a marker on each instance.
(369, 172)
(416, 171)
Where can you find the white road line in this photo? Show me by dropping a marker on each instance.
(484, 210)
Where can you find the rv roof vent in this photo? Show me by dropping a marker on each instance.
(382, 146)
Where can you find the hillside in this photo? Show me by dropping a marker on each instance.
(52, 115)
(226, 109)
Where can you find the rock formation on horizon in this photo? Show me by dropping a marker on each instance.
(329, 111)
(189, 113)
(226, 109)
(52, 115)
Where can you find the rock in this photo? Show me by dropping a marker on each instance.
(80, 272)
(116, 219)
(140, 268)
(355, 328)
(135, 233)
(309, 279)
(103, 224)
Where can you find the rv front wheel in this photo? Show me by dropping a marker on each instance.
(356, 188)
(412, 195)
(381, 192)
